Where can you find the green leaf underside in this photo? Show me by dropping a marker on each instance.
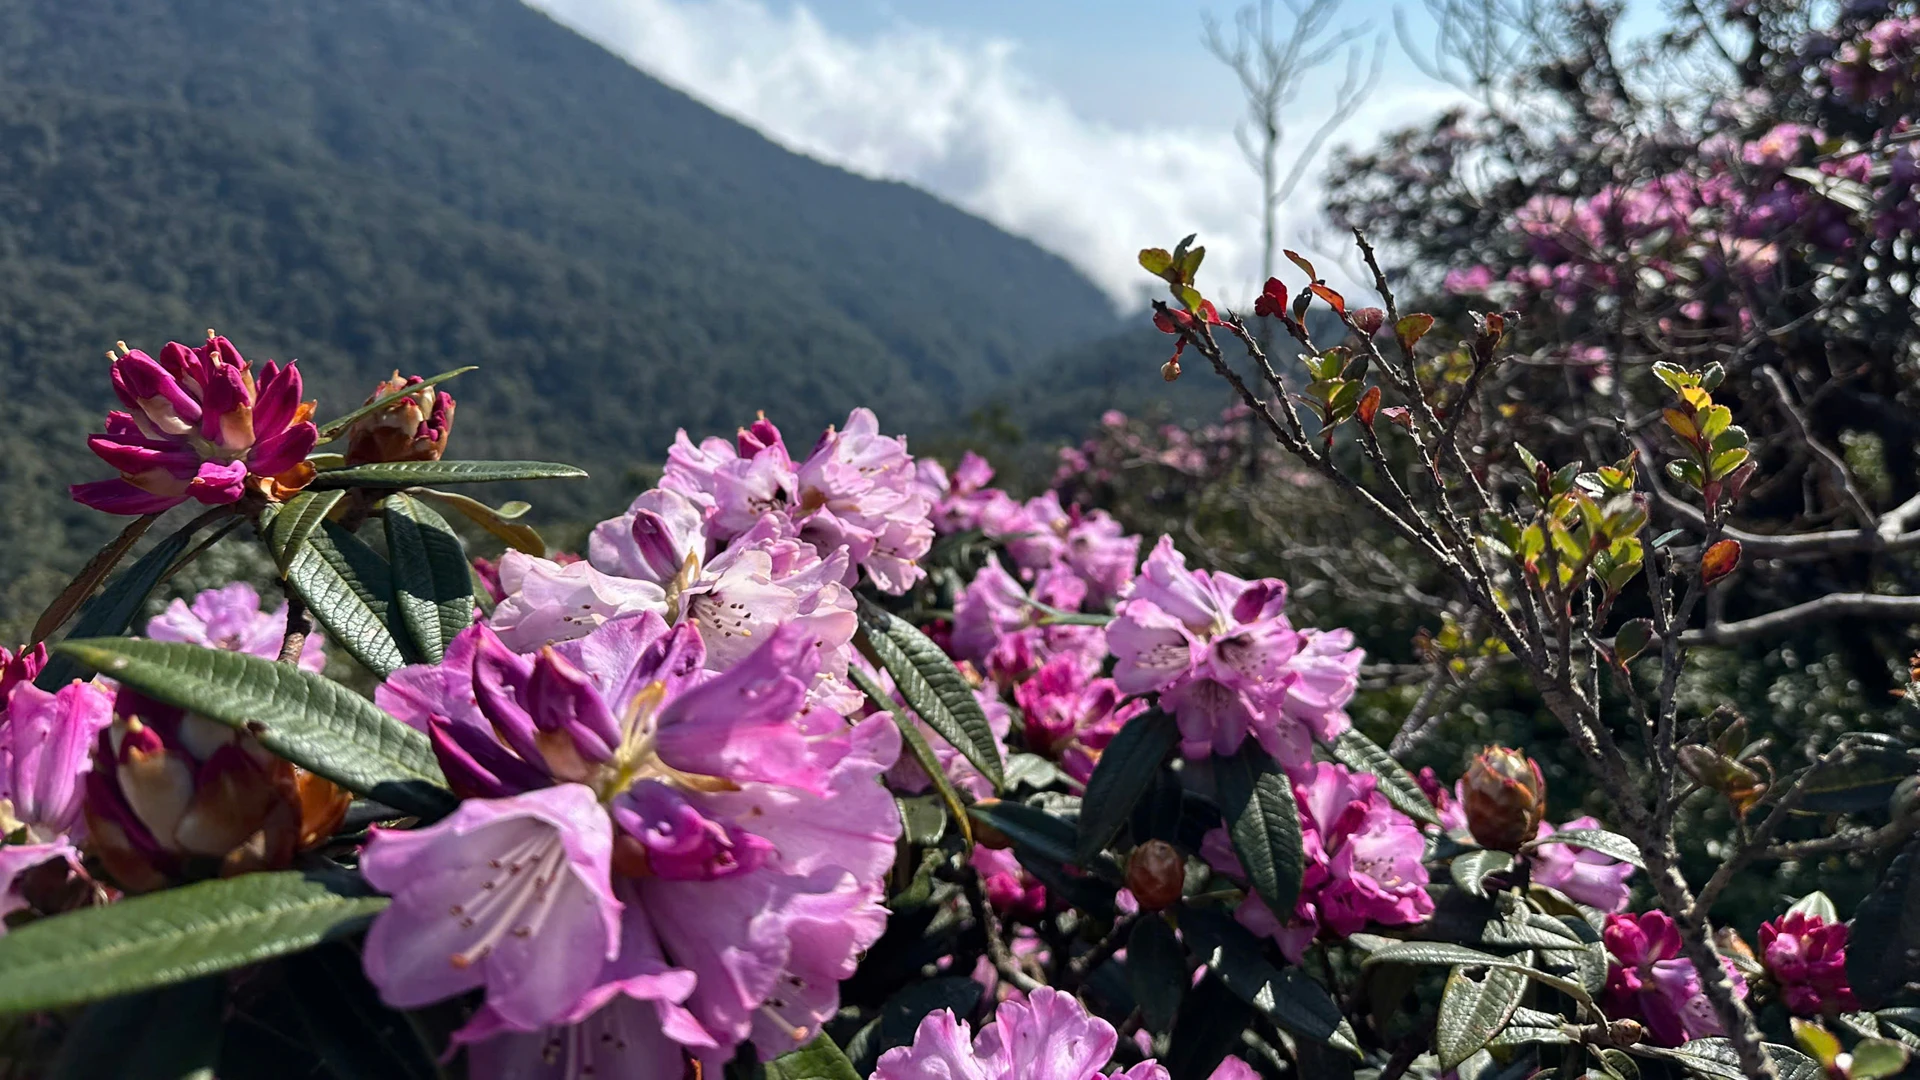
(295, 521)
(432, 582)
(337, 427)
(1715, 1058)
(305, 718)
(1263, 821)
(916, 745)
(110, 612)
(933, 688)
(172, 936)
(348, 586)
(398, 474)
(1612, 845)
(1473, 1011)
(1357, 752)
(1438, 952)
(1122, 775)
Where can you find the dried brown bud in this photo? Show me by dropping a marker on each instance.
(1505, 798)
(1156, 874)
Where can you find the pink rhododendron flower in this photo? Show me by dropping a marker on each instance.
(858, 489)
(1807, 957)
(1584, 875)
(1363, 863)
(230, 618)
(199, 426)
(1648, 979)
(997, 624)
(546, 601)
(1226, 661)
(1102, 554)
(734, 594)
(46, 744)
(1453, 812)
(1048, 1036)
(961, 500)
(1008, 886)
(721, 847)
(1071, 717)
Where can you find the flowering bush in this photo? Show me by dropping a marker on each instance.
(845, 764)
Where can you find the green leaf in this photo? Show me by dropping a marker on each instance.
(1156, 261)
(511, 533)
(1439, 952)
(305, 718)
(1288, 996)
(1030, 828)
(1156, 972)
(168, 937)
(432, 582)
(1473, 1011)
(1874, 1059)
(818, 1060)
(171, 1033)
(1264, 821)
(1124, 772)
(110, 612)
(400, 474)
(349, 588)
(1207, 1029)
(1361, 754)
(933, 687)
(916, 744)
(1612, 845)
(1715, 1058)
(338, 426)
(89, 578)
(1469, 868)
(295, 521)
(1864, 778)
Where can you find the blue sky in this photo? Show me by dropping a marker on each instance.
(1092, 127)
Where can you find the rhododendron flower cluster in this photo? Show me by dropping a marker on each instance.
(1807, 957)
(1048, 1036)
(199, 425)
(1363, 863)
(229, 618)
(1227, 663)
(1649, 980)
(681, 858)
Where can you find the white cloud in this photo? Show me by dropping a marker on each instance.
(960, 119)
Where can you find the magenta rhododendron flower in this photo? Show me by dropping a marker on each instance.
(1226, 661)
(721, 845)
(198, 425)
(230, 618)
(1807, 957)
(1071, 717)
(857, 490)
(1363, 863)
(1049, 1036)
(46, 745)
(1584, 875)
(1008, 886)
(1648, 979)
(19, 667)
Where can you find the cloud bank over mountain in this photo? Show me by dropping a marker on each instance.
(961, 118)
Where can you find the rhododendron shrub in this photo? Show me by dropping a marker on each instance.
(1408, 739)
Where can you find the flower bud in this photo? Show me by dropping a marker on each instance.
(1505, 798)
(1156, 874)
(1369, 320)
(412, 428)
(1170, 371)
(175, 797)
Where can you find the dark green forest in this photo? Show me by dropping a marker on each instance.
(420, 184)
